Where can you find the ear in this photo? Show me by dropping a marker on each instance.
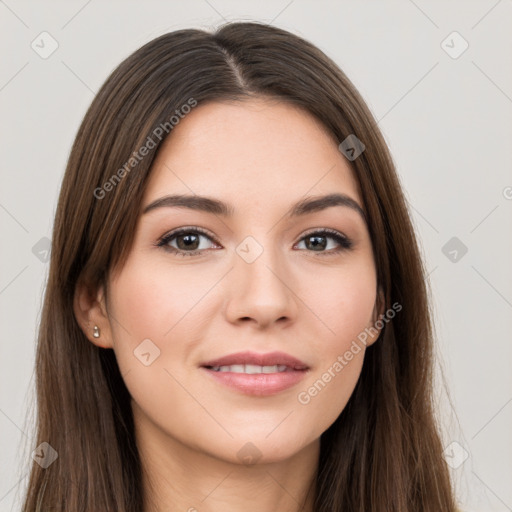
(378, 313)
(90, 310)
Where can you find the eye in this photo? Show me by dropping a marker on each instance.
(188, 241)
(317, 241)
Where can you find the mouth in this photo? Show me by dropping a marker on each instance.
(256, 374)
(252, 362)
(251, 369)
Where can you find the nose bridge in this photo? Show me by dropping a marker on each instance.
(260, 282)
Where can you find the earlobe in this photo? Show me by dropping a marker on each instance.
(91, 315)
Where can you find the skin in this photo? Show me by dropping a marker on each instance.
(261, 156)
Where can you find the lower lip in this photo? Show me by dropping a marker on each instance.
(258, 384)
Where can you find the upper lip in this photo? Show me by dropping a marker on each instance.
(268, 359)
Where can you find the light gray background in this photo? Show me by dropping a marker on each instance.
(447, 121)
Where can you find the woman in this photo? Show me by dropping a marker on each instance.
(236, 315)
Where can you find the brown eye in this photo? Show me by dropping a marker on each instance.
(187, 240)
(318, 241)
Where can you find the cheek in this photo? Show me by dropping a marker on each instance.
(345, 305)
(324, 397)
(151, 301)
(343, 302)
(148, 300)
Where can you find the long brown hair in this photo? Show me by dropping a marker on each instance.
(383, 453)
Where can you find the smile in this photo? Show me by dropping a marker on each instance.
(251, 368)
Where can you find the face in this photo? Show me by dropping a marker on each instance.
(200, 284)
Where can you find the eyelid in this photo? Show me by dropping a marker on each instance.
(331, 231)
(187, 229)
(162, 241)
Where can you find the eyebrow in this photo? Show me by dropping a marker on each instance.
(216, 207)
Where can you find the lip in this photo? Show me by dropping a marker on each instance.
(268, 359)
(258, 384)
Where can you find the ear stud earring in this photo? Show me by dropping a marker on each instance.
(96, 331)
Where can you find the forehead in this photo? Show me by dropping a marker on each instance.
(256, 151)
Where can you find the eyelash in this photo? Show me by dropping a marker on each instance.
(344, 242)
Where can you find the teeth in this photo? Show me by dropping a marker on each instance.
(250, 368)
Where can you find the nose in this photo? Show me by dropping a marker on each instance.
(262, 292)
